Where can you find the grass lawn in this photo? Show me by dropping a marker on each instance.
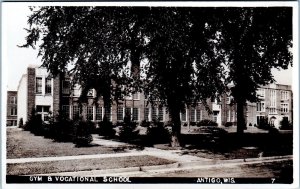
(281, 169)
(83, 165)
(23, 144)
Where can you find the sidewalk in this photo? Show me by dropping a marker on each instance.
(182, 162)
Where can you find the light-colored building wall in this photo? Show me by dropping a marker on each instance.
(22, 99)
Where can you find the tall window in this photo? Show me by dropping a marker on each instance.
(120, 114)
(38, 85)
(66, 87)
(48, 86)
(90, 113)
(284, 107)
(160, 114)
(228, 116)
(198, 114)
(146, 114)
(13, 111)
(108, 113)
(66, 110)
(76, 112)
(284, 95)
(135, 114)
(183, 116)
(99, 113)
(13, 100)
(192, 115)
(260, 106)
(154, 114)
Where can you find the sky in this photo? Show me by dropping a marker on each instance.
(16, 60)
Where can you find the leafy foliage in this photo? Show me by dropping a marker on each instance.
(106, 128)
(83, 132)
(206, 122)
(128, 130)
(177, 55)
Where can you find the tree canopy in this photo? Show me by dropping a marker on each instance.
(177, 55)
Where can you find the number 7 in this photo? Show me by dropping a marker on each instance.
(273, 179)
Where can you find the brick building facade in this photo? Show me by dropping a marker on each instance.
(38, 90)
(11, 113)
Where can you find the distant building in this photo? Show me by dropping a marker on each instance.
(276, 104)
(12, 111)
(38, 90)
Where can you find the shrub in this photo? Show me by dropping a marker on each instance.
(264, 124)
(63, 129)
(206, 122)
(158, 133)
(228, 124)
(193, 123)
(250, 124)
(285, 124)
(106, 128)
(145, 123)
(185, 124)
(83, 133)
(34, 123)
(21, 123)
(128, 130)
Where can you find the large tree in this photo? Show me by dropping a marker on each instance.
(182, 61)
(254, 40)
(95, 42)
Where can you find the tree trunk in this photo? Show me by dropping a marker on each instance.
(107, 101)
(176, 127)
(241, 123)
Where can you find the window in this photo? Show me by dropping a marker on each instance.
(272, 110)
(192, 115)
(146, 114)
(38, 85)
(154, 114)
(90, 113)
(66, 110)
(228, 100)
(260, 119)
(160, 114)
(261, 93)
(13, 100)
(76, 112)
(135, 114)
(284, 95)
(284, 108)
(90, 92)
(229, 116)
(43, 111)
(13, 111)
(199, 114)
(99, 113)
(232, 116)
(273, 98)
(260, 106)
(120, 111)
(108, 113)
(48, 86)
(66, 87)
(183, 116)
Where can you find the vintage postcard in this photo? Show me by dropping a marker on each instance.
(176, 94)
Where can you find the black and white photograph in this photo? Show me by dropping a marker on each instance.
(119, 94)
